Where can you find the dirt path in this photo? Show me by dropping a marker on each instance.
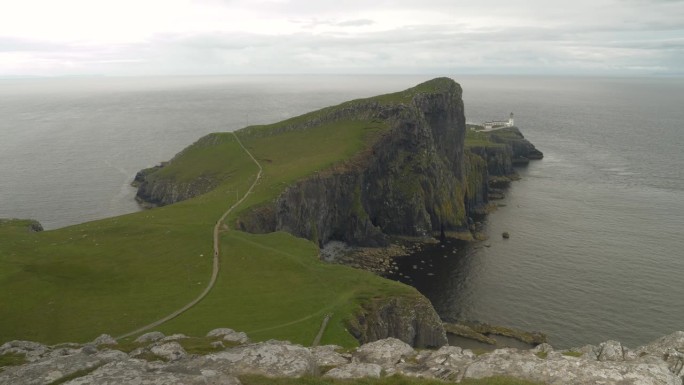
(216, 266)
(317, 340)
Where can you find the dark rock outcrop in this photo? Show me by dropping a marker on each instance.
(31, 225)
(409, 183)
(513, 138)
(162, 185)
(410, 319)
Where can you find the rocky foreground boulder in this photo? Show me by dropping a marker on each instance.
(156, 361)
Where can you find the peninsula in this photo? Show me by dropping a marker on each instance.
(242, 217)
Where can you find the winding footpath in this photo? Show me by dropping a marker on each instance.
(216, 266)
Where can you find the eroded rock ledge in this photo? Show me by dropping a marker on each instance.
(163, 360)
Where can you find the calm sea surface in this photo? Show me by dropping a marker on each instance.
(597, 227)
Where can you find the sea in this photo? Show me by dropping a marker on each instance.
(596, 247)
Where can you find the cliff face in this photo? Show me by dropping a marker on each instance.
(412, 320)
(154, 191)
(490, 164)
(409, 183)
(174, 181)
(519, 146)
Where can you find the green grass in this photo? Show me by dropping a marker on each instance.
(393, 380)
(11, 359)
(479, 139)
(117, 274)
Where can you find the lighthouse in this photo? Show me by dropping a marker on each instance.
(510, 120)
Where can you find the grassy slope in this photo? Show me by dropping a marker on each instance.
(119, 273)
(480, 139)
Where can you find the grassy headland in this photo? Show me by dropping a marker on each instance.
(117, 274)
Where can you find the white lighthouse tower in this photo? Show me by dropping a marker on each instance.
(510, 120)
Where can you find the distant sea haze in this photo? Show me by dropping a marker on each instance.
(596, 246)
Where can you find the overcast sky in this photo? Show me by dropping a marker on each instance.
(193, 37)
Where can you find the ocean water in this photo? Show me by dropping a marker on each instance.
(69, 148)
(596, 247)
(597, 227)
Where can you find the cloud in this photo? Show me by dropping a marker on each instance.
(298, 36)
(355, 23)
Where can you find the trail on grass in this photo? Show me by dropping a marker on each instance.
(216, 266)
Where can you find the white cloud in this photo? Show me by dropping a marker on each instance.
(297, 36)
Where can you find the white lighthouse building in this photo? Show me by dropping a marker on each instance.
(499, 123)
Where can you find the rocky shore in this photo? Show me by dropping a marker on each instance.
(224, 356)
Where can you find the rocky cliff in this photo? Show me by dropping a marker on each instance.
(410, 182)
(227, 356)
(490, 159)
(163, 185)
(418, 178)
(411, 320)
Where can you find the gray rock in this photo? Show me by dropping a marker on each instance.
(270, 358)
(661, 346)
(385, 352)
(89, 349)
(139, 372)
(327, 355)
(220, 332)
(174, 337)
(217, 344)
(447, 364)
(150, 337)
(48, 370)
(239, 337)
(451, 356)
(561, 370)
(355, 370)
(66, 351)
(670, 348)
(611, 351)
(104, 339)
(137, 352)
(170, 351)
(589, 352)
(32, 350)
(675, 361)
(542, 348)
